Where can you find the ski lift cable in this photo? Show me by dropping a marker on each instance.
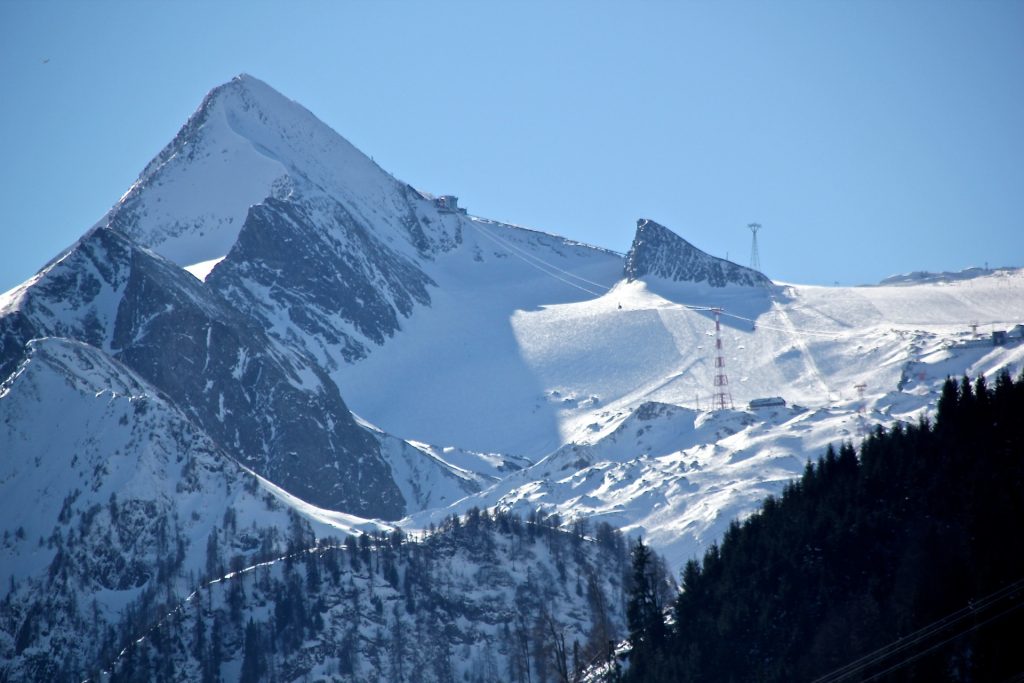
(524, 255)
(754, 321)
(538, 259)
(521, 254)
(540, 268)
(535, 262)
(781, 329)
(534, 257)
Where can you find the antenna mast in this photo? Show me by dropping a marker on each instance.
(722, 398)
(755, 258)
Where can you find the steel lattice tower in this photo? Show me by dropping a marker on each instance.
(755, 258)
(723, 398)
(862, 422)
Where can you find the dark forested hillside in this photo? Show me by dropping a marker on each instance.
(903, 562)
(487, 597)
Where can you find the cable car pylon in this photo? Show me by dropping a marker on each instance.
(723, 397)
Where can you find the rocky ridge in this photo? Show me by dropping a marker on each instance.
(658, 252)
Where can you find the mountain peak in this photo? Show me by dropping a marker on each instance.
(658, 252)
(245, 78)
(246, 142)
(241, 92)
(251, 90)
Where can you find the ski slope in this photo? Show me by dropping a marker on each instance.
(538, 363)
(610, 395)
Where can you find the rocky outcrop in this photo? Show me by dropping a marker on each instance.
(659, 252)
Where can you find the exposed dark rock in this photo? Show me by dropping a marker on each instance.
(312, 268)
(659, 252)
(269, 406)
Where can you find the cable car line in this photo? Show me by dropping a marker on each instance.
(546, 268)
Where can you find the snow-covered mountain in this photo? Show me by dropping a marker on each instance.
(256, 180)
(125, 508)
(269, 338)
(922, 276)
(247, 143)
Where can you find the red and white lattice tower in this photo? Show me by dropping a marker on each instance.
(723, 399)
(862, 420)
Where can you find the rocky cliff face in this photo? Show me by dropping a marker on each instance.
(275, 410)
(659, 252)
(318, 279)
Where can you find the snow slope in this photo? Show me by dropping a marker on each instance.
(461, 357)
(583, 375)
(566, 361)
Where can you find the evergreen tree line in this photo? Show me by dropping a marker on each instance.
(488, 596)
(904, 561)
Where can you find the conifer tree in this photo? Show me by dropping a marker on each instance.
(253, 662)
(644, 616)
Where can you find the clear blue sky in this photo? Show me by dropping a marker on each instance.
(869, 138)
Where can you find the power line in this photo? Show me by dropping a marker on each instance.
(900, 664)
(542, 265)
(917, 637)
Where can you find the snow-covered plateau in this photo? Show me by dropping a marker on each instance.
(270, 342)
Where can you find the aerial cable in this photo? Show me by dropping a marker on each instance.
(541, 269)
(540, 260)
(923, 633)
(922, 653)
(543, 266)
(526, 255)
(780, 329)
(759, 324)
